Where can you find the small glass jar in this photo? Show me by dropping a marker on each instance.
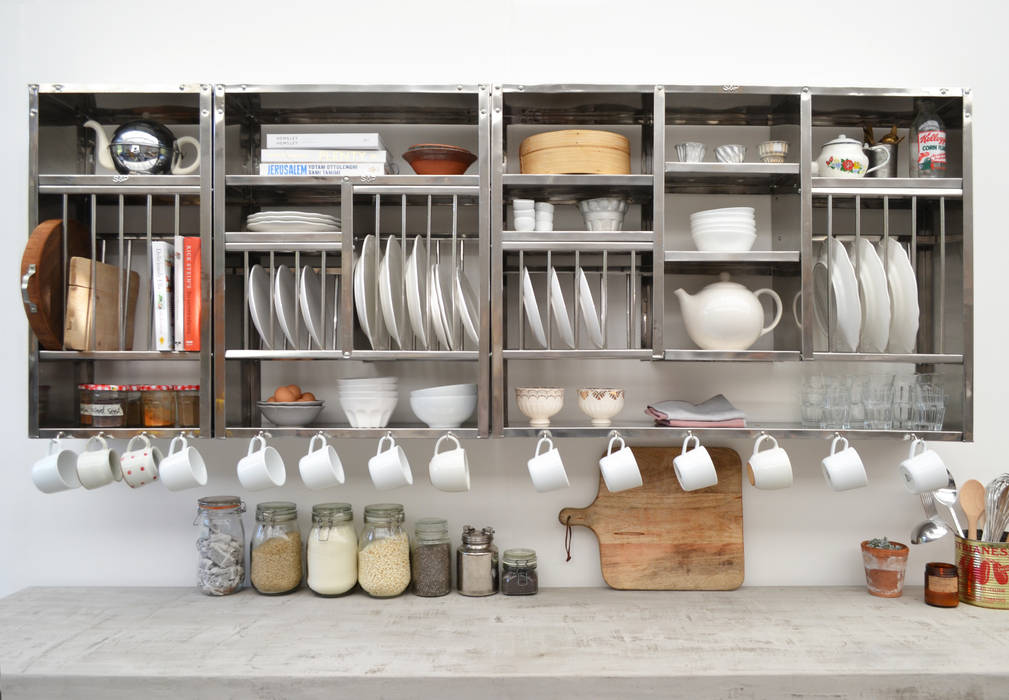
(158, 402)
(221, 545)
(332, 549)
(476, 562)
(432, 558)
(275, 557)
(383, 561)
(518, 572)
(942, 585)
(187, 401)
(103, 405)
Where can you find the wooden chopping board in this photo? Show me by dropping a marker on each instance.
(45, 288)
(660, 537)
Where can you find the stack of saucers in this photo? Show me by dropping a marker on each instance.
(728, 230)
(368, 402)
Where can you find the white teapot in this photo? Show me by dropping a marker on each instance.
(844, 157)
(726, 315)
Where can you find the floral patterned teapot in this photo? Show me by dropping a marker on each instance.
(844, 157)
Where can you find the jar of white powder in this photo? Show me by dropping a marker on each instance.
(332, 549)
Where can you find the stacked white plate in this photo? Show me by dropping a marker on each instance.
(444, 407)
(368, 402)
(728, 230)
(292, 221)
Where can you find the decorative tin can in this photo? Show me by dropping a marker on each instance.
(983, 568)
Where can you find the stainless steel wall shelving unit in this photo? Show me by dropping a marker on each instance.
(629, 271)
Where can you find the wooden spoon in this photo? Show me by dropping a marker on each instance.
(972, 501)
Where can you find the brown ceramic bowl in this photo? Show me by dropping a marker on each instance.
(438, 159)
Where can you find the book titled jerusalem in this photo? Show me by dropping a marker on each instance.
(370, 141)
(323, 169)
(321, 155)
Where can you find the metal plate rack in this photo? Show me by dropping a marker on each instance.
(123, 215)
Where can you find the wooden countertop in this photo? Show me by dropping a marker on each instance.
(563, 643)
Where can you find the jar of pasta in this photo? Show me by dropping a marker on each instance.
(383, 560)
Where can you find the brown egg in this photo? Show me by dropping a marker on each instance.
(284, 394)
(294, 389)
(307, 396)
(271, 400)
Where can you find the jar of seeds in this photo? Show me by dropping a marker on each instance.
(432, 558)
(518, 572)
(221, 545)
(275, 559)
(383, 560)
(476, 562)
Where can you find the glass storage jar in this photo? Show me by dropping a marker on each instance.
(134, 411)
(221, 545)
(158, 401)
(332, 549)
(432, 558)
(476, 562)
(103, 405)
(518, 572)
(187, 401)
(275, 557)
(383, 560)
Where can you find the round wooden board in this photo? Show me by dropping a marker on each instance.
(45, 288)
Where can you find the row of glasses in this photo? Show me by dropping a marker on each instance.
(873, 402)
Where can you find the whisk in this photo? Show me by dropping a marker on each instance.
(996, 509)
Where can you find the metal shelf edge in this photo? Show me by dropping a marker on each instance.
(732, 355)
(677, 434)
(121, 355)
(348, 432)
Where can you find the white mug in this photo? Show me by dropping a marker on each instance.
(843, 469)
(694, 468)
(620, 468)
(770, 469)
(923, 471)
(140, 467)
(57, 471)
(389, 468)
(98, 467)
(182, 468)
(261, 468)
(449, 469)
(546, 468)
(321, 468)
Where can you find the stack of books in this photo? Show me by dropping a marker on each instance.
(324, 154)
(175, 290)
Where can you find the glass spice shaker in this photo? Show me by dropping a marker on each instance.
(476, 562)
(275, 556)
(432, 558)
(518, 572)
(383, 558)
(221, 545)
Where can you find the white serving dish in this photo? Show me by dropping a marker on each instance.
(560, 309)
(443, 412)
(724, 242)
(291, 414)
(368, 412)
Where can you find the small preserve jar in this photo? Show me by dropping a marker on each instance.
(134, 411)
(103, 405)
(383, 561)
(476, 562)
(942, 585)
(158, 402)
(275, 558)
(187, 402)
(221, 545)
(432, 558)
(332, 549)
(518, 572)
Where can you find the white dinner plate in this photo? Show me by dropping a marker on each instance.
(260, 214)
(466, 302)
(416, 290)
(390, 292)
(260, 308)
(532, 308)
(292, 226)
(588, 307)
(903, 298)
(311, 304)
(365, 302)
(284, 300)
(437, 310)
(560, 310)
(255, 218)
(848, 311)
(875, 299)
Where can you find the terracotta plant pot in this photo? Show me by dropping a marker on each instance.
(884, 569)
(438, 159)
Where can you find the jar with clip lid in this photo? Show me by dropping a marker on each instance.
(518, 572)
(477, 562)
(332, 549)
(383, 560)
(221, 545)
(432, 558)
(275, 558)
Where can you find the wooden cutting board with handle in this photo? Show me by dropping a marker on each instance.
(660, 537)
(42, 274)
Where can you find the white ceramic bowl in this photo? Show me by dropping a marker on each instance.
(368, 394)
(719, 225)
(739, 242)
(448, 390)
(368, 412)
(603, 213)
(291, 414)
(443, 412)
(601, 405)
(368, 381)
(724, 210)
(539, 403)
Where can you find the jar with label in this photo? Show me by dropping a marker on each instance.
(158, 402)
(518, 572)
(103, 405)
(942, 585)
(476, 562)
(432, 558)
(275, 558)
(221, 545)
(187, 400)
(332, 549)
(928, 143)
(383, 560)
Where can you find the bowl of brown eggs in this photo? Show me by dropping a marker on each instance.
(289, 406)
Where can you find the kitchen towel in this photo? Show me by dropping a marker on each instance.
(715, 410)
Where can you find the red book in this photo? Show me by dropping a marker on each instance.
(191, 281)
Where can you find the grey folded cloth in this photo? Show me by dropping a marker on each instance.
(717, 408)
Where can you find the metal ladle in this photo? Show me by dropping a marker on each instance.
(948, 497)
(932, 529)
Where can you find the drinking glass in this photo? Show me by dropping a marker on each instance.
(811, 401)
(836, 406)
(877, 403)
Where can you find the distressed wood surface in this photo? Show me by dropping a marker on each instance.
(660, 537)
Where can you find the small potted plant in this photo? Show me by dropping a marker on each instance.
(885, 563)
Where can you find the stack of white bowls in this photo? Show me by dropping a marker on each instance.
(369, 402)
(444, 407)
(728, 230)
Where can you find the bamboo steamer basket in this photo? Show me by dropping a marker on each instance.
(576, 152)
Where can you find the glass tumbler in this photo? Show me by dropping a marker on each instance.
(877, 406)
(811, 401)
(836, 406)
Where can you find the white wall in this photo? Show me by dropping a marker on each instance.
(805, 535)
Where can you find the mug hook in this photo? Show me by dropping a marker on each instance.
(545, 434)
